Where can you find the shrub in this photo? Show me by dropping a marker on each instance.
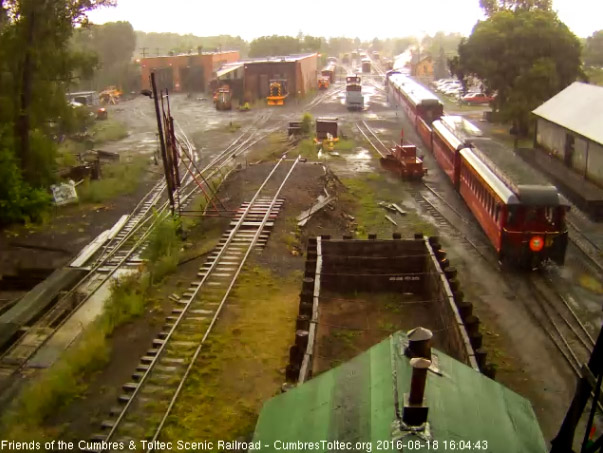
(163, 249)
(19, 202)
(306, 123)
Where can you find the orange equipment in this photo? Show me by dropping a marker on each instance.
(110, 96)
(277, 92)
(323, 83)
(223, 98)
(404, 161)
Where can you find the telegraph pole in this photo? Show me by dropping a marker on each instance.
(164, 158)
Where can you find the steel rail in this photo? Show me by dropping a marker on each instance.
(155, 360)
(222, 302)
(369, 140)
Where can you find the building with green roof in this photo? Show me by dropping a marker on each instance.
(359, 406)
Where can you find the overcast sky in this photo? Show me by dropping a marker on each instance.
(383, 19)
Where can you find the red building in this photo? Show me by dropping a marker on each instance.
(180, 73)
(299, 71)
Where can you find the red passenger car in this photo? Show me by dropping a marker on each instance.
(416, 100)
(525, 223)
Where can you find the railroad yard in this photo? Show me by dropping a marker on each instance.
(212, 342)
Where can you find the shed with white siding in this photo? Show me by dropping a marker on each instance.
(570, 127)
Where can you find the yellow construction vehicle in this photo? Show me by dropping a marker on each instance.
(277, 92)
(110, 96)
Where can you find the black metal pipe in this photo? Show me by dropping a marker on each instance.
(162, 143)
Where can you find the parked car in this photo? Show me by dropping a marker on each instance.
(476, 98)
(450, 85)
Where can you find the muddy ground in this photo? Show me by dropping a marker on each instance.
(242, 367)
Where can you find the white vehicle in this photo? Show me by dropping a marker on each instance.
(449, 86)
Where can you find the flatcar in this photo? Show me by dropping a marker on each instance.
(522, 216)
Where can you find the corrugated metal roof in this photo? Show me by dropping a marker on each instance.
(279, 59)
(228, 67)
(356, 402)
(578, 108)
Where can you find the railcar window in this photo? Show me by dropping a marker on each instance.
(549, 214)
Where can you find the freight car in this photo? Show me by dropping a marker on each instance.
(329, 71)
(523, 217)
(366, 65)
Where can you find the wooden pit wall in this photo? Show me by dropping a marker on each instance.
(330, 263)
(464, 333)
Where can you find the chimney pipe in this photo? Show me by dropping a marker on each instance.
(415, 412)
(419, 343)
(418, 380)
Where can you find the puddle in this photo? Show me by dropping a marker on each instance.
(359, 161)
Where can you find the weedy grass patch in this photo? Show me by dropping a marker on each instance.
(117, 179)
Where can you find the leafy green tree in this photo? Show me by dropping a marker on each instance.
(439, 68)
(36, 66)
(339, 45)
(274, 45)
(527, 56)
(152, 44)
(593, 50)
(492, 7)
(113, 45)
(312, 44)
(376, 44)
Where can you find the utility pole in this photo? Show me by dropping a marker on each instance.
(164, 158)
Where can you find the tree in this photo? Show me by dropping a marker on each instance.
(527, 56)
(113, 46)
(492, 7)
(377, 45)
(274, 45)
(439, 67)
(36, 64)
(593, 50)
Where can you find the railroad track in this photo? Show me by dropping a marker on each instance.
(422, 192)
(148, 400)
(559, 320)
(322, 97)
(371, 136)
(122, 250)
(586, 245)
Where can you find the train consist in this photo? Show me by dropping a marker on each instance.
(524, 218)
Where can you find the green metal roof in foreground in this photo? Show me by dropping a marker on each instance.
(355, 403)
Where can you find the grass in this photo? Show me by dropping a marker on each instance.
(271, 147)
(370, 217)
(108, 130)
(241, 365)
(67, 379)
(67, 151)
(307, 149)
(345, 144)
(163, 249)
(117, 179)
